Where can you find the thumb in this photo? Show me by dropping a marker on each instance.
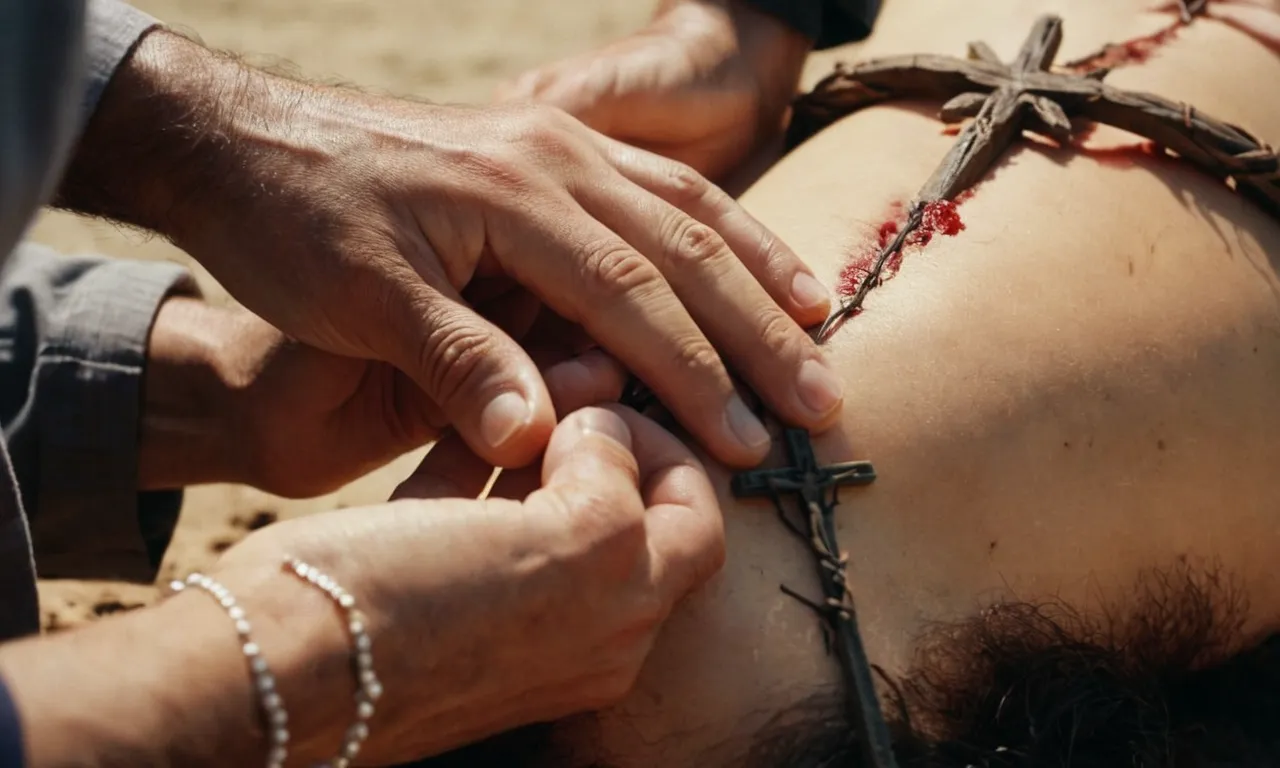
(483, 382)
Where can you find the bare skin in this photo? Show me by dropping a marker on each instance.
(1078, 386)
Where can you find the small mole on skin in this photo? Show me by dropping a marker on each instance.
(1160, 445)
(1066, 444)
(991, 547)
(1130, 267)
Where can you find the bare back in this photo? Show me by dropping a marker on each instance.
(1082, 383)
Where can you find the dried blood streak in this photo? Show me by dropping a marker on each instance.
(940, 217)
(1135, 51)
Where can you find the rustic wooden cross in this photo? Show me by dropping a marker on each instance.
(816, 487)
(1189, 9)
(1004, 99)
(803, 476)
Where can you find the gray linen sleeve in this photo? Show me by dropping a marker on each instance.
(113, 29)
(73, 340)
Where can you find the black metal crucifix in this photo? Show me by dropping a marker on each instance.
(1003, 100)
(817, 487)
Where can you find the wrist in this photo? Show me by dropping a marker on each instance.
(776, 52)
(171, 141)
(169, 685)
(188, 431)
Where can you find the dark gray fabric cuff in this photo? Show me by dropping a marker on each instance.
(113, 29)
(826, 22)
(88, 519)
(12, 749)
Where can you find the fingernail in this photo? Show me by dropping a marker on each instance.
(603, 422)
(808, 293)
(503, 417)
(818, 387)
(744, 424)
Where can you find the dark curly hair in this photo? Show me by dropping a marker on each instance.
(1167, 680)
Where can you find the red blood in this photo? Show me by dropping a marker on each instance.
(1122, 156)
(938, 217)
(1135, 51)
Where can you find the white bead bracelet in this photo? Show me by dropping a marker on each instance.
(368, 689)
(264, 682)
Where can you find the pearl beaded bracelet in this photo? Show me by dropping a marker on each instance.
(368, 688)
(263, 681)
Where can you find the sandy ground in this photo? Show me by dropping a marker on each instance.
(444, 50)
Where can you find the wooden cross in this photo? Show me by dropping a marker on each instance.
(817, 487)
(804, 476)
(1004, 99)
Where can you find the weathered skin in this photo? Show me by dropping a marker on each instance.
(1083, 383)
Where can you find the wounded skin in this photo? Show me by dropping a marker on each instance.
(1078, 387)
(1003, 99)
(940, 217)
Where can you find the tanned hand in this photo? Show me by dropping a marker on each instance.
(706, 82)
(354, 222)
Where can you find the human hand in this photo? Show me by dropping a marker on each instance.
(228, 398)
(353, 222)
(706, 82)
(489, 615)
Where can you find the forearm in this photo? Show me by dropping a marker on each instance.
(153, 134)
(169, 685)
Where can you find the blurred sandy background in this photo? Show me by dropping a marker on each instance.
(443, 50)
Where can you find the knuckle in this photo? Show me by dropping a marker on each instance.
(769, 252)
(712, 557)
(544, 129)
(455, 355)
(698, 357)
(779, 334)
(694, 244)
(685, 184)
(611, 269)
(593, 514)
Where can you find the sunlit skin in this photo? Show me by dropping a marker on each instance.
(1078, 385)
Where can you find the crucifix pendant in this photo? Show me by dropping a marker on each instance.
(815, 486)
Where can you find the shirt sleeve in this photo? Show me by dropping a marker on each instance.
(73, 342)
(12, 749)
(113, 28)
(827, 22)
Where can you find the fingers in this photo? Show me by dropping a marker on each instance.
(588, 379)
(623, 302)
(684, 521)
(775, 356)
(615, 458)
(452, 470)
(481, 379)
(782, 273)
